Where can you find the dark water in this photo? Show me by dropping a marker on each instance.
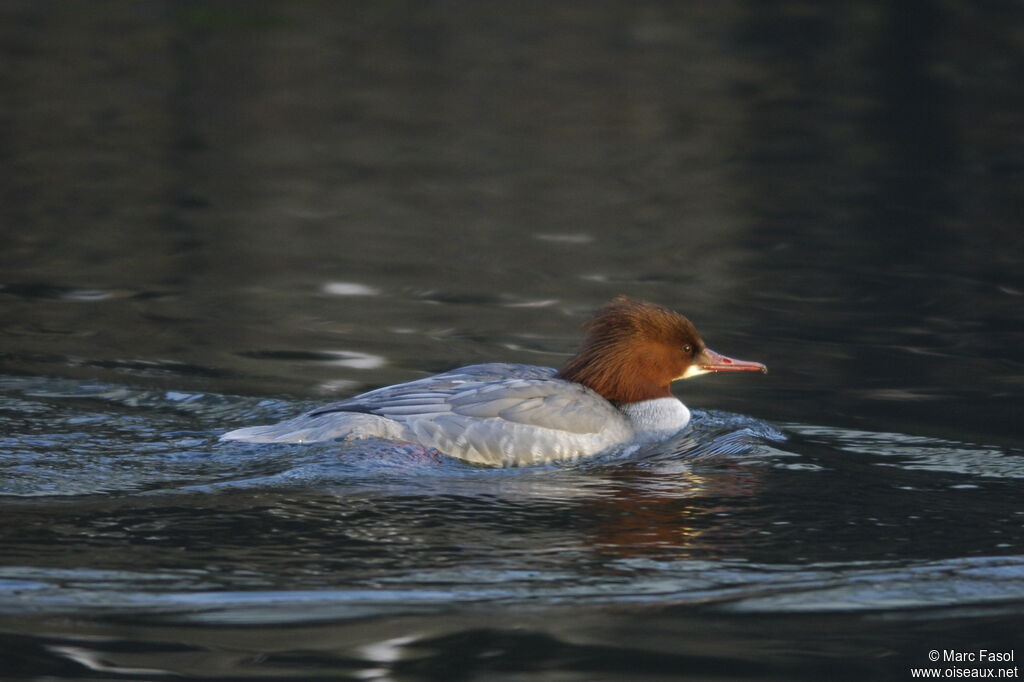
(219, 214)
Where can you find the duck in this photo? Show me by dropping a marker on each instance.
(615, 392)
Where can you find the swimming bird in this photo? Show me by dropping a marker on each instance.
(614, 392)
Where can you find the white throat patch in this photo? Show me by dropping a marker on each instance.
(659, 414)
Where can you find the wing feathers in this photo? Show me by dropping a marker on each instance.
(498, 415)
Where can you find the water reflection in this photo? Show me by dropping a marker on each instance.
(917, 452)
(720, 521)
(349, 289)
(677, 521)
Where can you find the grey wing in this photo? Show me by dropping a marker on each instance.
(495, 414)
(438, 387)
(499, 415)
(360, 416)
(509, 422)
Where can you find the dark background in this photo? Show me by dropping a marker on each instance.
(292, 201)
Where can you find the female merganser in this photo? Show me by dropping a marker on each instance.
(614, 392)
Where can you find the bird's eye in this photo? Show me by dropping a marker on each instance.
(687, 348)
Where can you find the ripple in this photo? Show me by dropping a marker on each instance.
(343, 358)
(356, 359)
(955, 582)
(920, 452)
(44, 291)
(349, 289)
(153, 367)
(566, 238)
(369, 528)
(336, 386)
(539, 303)
(728, 586)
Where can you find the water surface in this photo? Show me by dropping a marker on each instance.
(221, 214)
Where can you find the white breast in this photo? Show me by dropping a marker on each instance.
(656, 416)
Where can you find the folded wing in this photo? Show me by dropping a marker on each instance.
(494, 414)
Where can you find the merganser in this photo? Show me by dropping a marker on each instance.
(613, 393)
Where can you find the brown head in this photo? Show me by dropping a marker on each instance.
(634, 350)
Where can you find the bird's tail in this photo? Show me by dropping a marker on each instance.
(319, 428)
